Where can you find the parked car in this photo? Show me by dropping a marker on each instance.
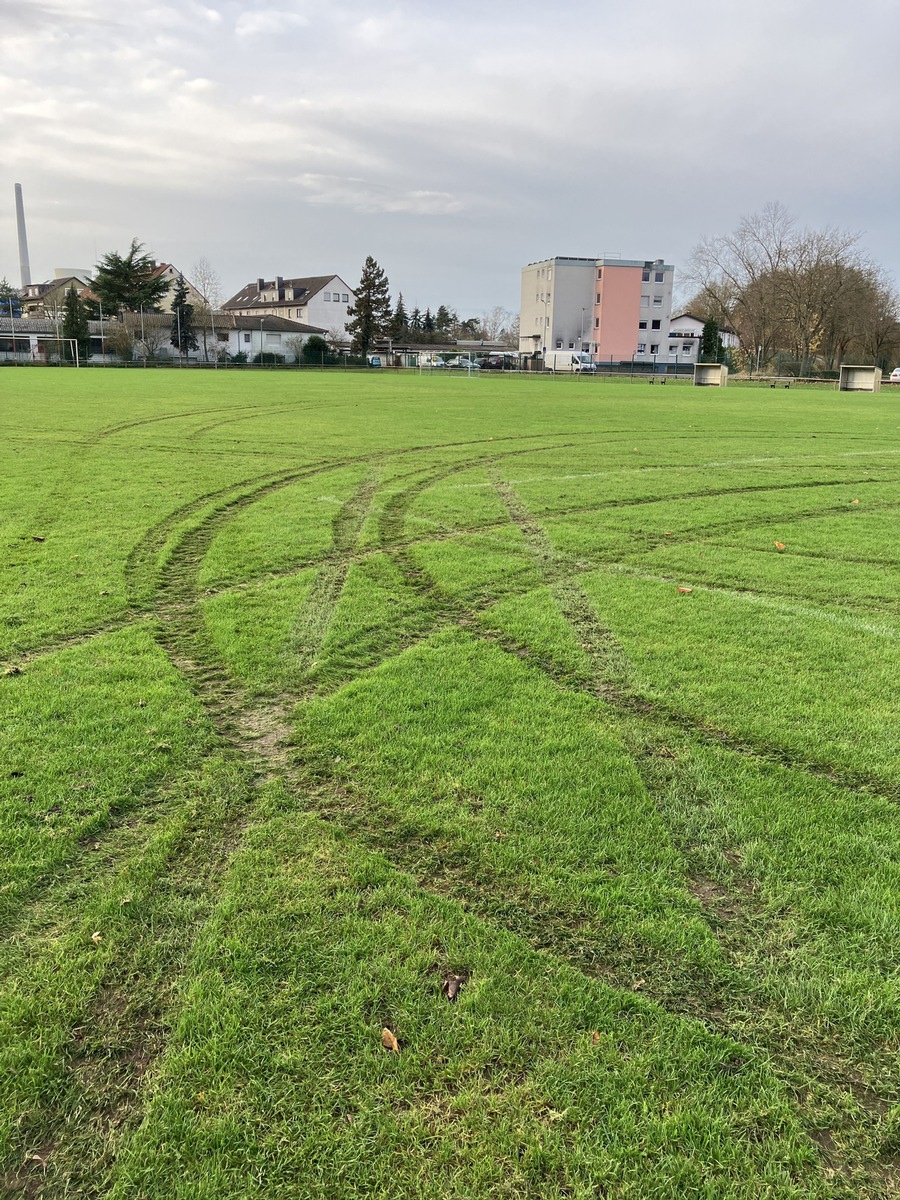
(895, 375)
(464, 364)
(374, 360)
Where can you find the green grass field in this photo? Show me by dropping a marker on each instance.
(552, 726)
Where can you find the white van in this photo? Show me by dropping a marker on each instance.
(568, 361)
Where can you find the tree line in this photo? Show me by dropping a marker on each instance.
(374, 317)
(811, 296)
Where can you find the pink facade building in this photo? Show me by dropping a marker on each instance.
(617, 310)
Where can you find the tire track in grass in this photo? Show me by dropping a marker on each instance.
(260, 733)
(49, 511)
(801, 1063)
(315, 617)
(159, 881)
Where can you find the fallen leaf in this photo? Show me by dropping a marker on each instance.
(668, 535)
(389, 1041)
(451, 987)
(498, 836)
(779, 545)
(638, 984)
(854, 502)
(35, 537)
(685, 590)
(595, 1038)
(97, 937)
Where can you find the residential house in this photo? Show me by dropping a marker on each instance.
(48, 298)
(39, 340)
(686, 333)
(317, 300)
(267, 333)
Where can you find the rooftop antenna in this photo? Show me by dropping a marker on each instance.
(24, 268)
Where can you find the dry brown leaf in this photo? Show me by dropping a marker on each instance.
(854, 502)
(685, 590)
(389, 1041)
(36, 537)
(668, 535)
(595, 1038)
(451, 987)
(498, 836)
(97, 937)
(638, 984)
(779, 545)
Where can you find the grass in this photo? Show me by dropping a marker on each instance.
(335, 705)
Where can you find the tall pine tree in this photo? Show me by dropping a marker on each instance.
(183, 337)
(370, 316)
(428, 322)
(415, 320)
(75, 325)
(399, 321)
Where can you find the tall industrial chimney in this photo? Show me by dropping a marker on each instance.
(24, 268)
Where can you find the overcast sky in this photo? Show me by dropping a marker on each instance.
(454, 142)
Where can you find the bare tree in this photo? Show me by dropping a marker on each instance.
(805, 293)
(206, 280)
(495, 323)
(294, 344)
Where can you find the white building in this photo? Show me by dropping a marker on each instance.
(319, 300)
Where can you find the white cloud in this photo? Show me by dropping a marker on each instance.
(267, 21)
(367, 197)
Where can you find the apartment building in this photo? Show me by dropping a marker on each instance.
(615, 309)
(320, 300)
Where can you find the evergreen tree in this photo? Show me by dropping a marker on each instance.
(10, 304)
(710, 343)
(75, 325)
(400, 320)
(370, 317)
(428, 322)
(415, 320)
(183, 337)
(443, 319)
(128, 283)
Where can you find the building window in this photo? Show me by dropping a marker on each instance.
(345, 298)
(599, 272)
(658, 277)
(327, 295)
(673, 349)
(571, 345)
(655, 324)
(654, 347)
(657, 301)
(246, 337)
(687, 347)
(645, 301)
(642, 324)
(642, 348)
(596, 322)
(598, 297)
(645, 277)
(549, 272)
(559, 343)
